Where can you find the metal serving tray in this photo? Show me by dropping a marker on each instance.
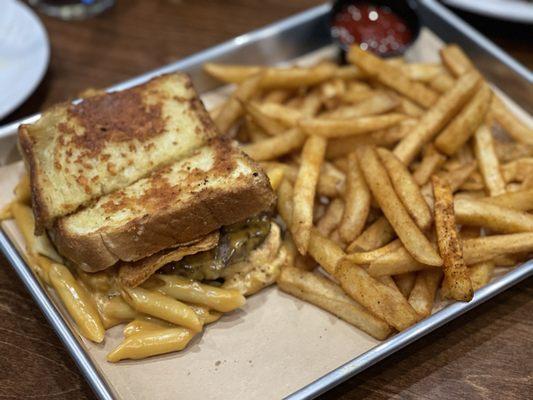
(281, 41)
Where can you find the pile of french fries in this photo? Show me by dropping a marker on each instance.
(398, 183)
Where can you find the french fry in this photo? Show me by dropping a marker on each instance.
(395, 262)
(323, 293)
(368, 257)
(521, 200)
(23, 190)
(455, 60)
(406, 188)
(463, 126)
(287, 116)
(340, 147)
(356, 202)
(311, 104)
(422, 72)
(475, 250)
(305, 189)
(437, 116)
(145, 323)
(442, 82)
(430, 162)
(275, 176)
(331, 181)
(517, 129)
(295, 77)
(492, 216)
(231, 73)
(457, 283)
(422, 296)
(409, 108)
(325, 251)
(378, 234)
(488, 247)
(276, 146)
(331, 219)
(517, 170)
(481, 273)
(405, 283)
(334, 128)
(276, 96)
(383, 301)
(232, 109)
(378, 103)
(488, 162)
(285, 203)
(391, 76)
(265, 121)
(382, 189)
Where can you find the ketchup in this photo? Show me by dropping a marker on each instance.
(375, 28)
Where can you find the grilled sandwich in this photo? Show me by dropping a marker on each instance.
(139, 181)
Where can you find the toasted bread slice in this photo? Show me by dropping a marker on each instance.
(218, 185)
(77, 153)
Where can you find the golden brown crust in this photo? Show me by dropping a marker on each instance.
(151, 233)
(40, 211)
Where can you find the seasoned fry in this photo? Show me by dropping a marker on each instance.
(331, 181)
(305, 189)
(340, 147)
(331, 219)
(325, 294)
(287, 116)
(270, 125)
(457, 283)
(437, 116)
(232, 109)
(378, 103)
(521, 200)
(422, 72)
(395, 262)
(356, 202)
(492, 216)
(510, 123)
(463, 126)
(406, 188)
(442, 82)
(431, 161)
(325, 251)
(488, 247)
(405, 283)
(383, 301)
(381, 187)
(231, 73)
(455, 60)
(481, 273)
(488, 162)
(335, 128)
(368, 257)
(378, 234)
(275, 146)
(422, 295)
(391, 76)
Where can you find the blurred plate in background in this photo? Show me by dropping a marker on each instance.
(510, 10)
(24, 54)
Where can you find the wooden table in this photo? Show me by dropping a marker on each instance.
(486, 354)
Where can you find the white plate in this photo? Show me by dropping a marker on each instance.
(24, 54)
(511, 10)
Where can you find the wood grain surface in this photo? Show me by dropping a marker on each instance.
(485, 354)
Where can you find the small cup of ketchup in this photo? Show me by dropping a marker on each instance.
(386, 28)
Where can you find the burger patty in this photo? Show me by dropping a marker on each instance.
(235, 244)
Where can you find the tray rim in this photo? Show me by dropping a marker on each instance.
(71, 340)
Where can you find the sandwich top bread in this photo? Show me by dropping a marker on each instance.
(217, 185)
(77, 153)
